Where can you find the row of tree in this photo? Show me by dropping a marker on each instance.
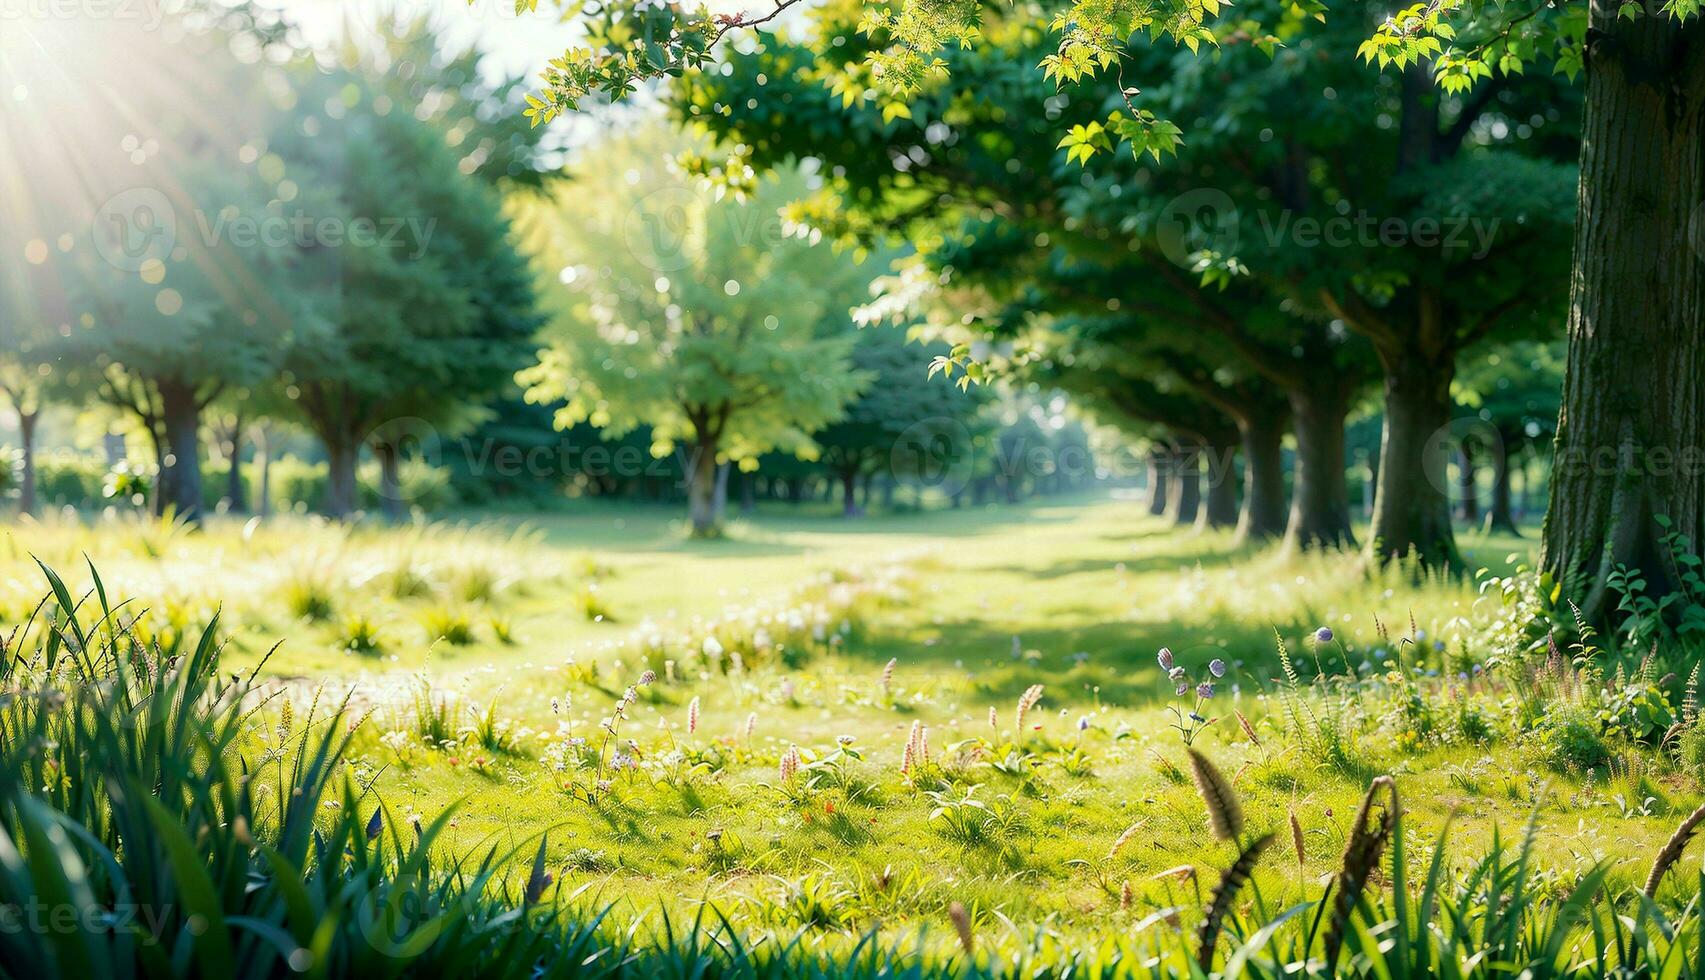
(256, 254)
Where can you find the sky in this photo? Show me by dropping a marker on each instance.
(518, 44)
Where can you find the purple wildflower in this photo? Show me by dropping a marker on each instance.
(1216, 667)
(1323, 635)
(1182, 690)
(1165, 658)
(1205, 689)
(1177, 673)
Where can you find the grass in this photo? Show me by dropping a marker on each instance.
(1075, 822)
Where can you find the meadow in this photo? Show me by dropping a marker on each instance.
(819, 730)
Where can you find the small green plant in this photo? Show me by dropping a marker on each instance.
(435, 716)
(361, 635)
(308, 598)
(450, 626)
(405, 581)
(592, 604)
(493, 732)
(478, 583)
(1568, 739)
(1679, 613)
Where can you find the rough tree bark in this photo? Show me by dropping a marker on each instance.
(1631, 433)
(1411, 507)
(1320, 497)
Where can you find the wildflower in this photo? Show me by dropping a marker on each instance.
(994, 719)
(962, 925)
(751, 724)
(1083, 723)
(1205, 689)
(1165, 658)
(913, 754)
(888, 675)
(1026, 701)
(1177, 673)
(1123, 839)
(692, 716)
(1323, 635)
(647, 678)
(712, 648)
(789, 764)
(1216, 667)
(845, 740)
(1182, 689)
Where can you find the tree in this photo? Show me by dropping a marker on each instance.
(894, 407)
(1288, 153)
(1631, 431)
(153, 304)
(1639, 184)
(426, 307)
(1513, 395)
(697, 315)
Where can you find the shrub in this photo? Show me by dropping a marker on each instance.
(1567, 739)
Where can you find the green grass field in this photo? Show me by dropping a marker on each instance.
(770, 651)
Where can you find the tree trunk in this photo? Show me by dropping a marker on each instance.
(341, 456)
(1501, 517)
(849, 493)
(1219, 504)
(391, 502)
(179, 452)
(1320, 496)
(1263, 514)
(27, 479)
(1184, 486)
(236, 498)
(263, 449)
(1465, 482)
(1156, 482)
(701, 490)
(1631, 433)
(748, 493)
(1411, 507)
